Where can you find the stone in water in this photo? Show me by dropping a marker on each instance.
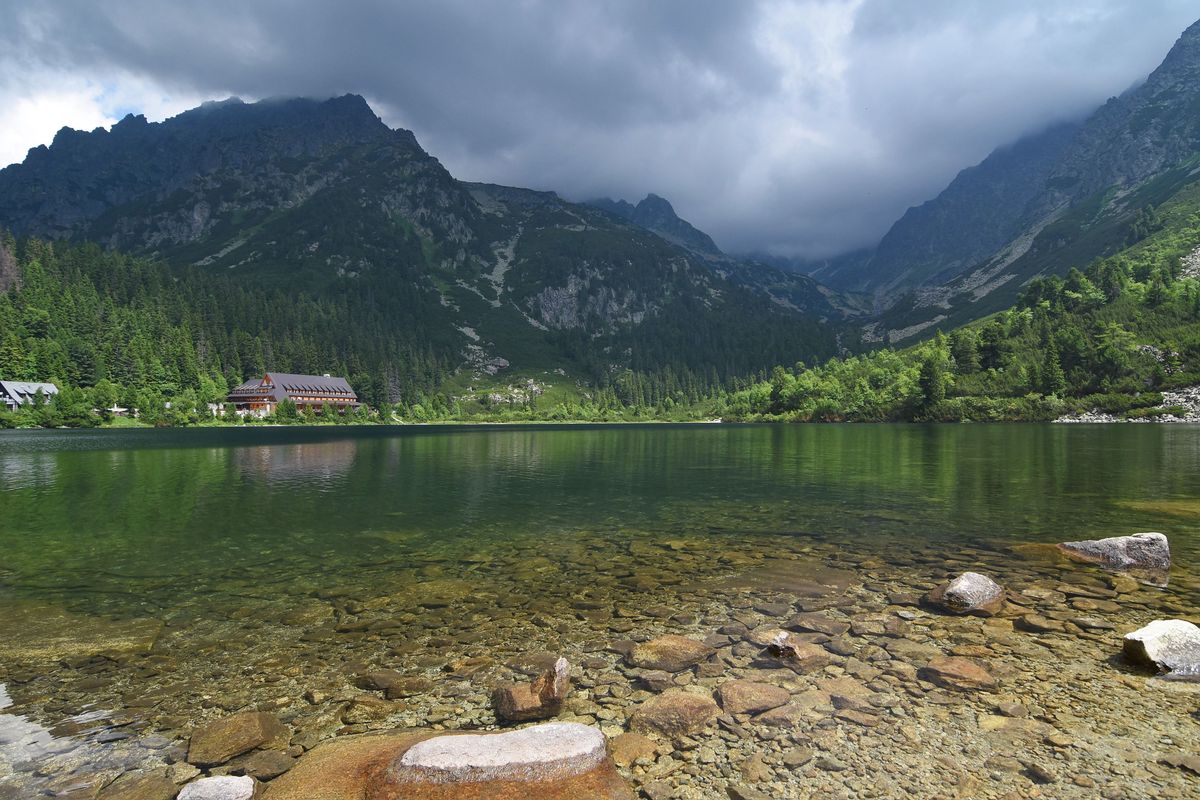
(1147, 556)
(969, 593)
(224, 787)
(1171, 645)
(541, 699)
(554, 761)
(670, 653)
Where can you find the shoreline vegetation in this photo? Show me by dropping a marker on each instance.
(1119, 340)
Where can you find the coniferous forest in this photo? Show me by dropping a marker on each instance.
(119, 331)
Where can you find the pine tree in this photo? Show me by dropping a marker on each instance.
(1053, 380)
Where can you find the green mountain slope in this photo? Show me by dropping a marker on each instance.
(1051, 202)
(1120, 338)
(319, 201)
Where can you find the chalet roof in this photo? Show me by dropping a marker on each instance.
(309, 383)
(23, 391)
(279, 385)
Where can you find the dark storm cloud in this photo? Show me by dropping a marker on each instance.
(803, 127)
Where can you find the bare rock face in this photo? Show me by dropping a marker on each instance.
(217, 742)
(554, 761)
(1170, 645)
(1146, 556)
(798, 654)
(541, 699)
(969, 593)
(674, 713)
(670, 653)
(750, 697)
(958, 673)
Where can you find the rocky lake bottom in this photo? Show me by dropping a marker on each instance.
(90, 698)
(109, 666)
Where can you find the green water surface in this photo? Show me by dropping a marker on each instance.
(133, 517)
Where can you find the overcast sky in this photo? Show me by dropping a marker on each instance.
(804, 128)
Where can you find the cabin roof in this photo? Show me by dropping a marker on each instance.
(279, 385)
(22, 391)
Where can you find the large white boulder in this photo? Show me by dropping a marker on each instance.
(1171, 645)
(552, 751)
(222, 787)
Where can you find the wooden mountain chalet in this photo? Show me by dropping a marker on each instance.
(262, 395)
(14, 394)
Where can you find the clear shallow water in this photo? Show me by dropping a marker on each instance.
(78, 506)
(229, 569)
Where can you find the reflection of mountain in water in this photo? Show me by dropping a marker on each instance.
(319, 462)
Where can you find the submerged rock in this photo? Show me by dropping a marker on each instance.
(629, 748)
(341, 768)
(815, 622)
(140, 786)
(541, 699)
(1170, 645)
(957, 673)
(1036, 623)
(1147, 556)
(393, 684)
(969, 593)
(670, 653)
(268, 764)
(750, 697)
(674, 713)
(217, 742)
(34, 632)
(798, 654)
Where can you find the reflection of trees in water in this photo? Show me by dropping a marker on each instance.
(256, 496)
(27, 470)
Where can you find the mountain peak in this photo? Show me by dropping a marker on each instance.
(269, 142)
(653, 202)
(348, 110)
(656, 214)
(1183, 57)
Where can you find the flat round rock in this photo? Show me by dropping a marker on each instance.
(552, 751)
